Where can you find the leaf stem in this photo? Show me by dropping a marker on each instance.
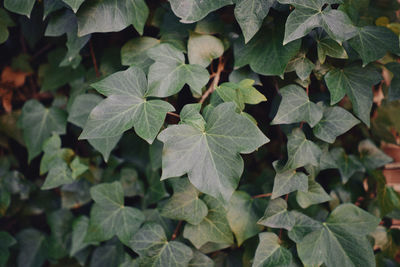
(216, 77)
(96, 69)
(262, 195)
(174, 115)
(176, 232)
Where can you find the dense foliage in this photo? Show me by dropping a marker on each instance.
(211, 133)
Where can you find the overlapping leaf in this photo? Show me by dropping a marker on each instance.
(315, 195)
(270, 252)
(357, 83)
(169, 73)
(347, 164)
(328, 47)
(277, 216)
(23, 7)
(216, 167)
(295, 106)
(125, 107)
(203, 48)
(311, 14)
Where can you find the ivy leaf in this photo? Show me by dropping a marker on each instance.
(190, 115)
(394, 89)
(150, 242)
(74, 4)
(289, 181)
(242, 216)
(328, 47)
(134, 52)
(59, 174)
(310, 14)
(216, 167)
(6, 241)
(335, 121)
(214, 228)
(372, 43)
(22, 7)
(169, 73)
(79, 230)
(315, 195)
(300, 152)
(6, 22)
(111, 16)
(109, 216)
(265, 53)
(250, 15)
(302, 65)
(296, 107)
(38, 123)
(185, 203)
(277, 216)
(190, 11)
(357, 83)
(53, 152)
(371, 156)
(78, 167)
(33, 247)
(241, 93)
(131, 183)
(270, 253)
(347, 164)
(347, 224)
(156, 190)
(125, 107)
(203, 48)
(78, 115)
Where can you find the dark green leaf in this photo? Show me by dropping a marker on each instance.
(32, 248)
(23, 7)
(315, 195)
(277, 216)
(328, 47)
(371, 156)
(347, 164)
(270, 253)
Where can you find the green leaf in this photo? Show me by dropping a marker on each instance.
(300, 152)
(78, 115)
(5, 22)
(242, 216)
(371, 156)
(330, 244)
(60, 222)
(32, 248)
(22, 7)
(357, 83)
(38, 123)
(250, 15)
(53, 153)
(78, 167)
(203, 48)
(315, 195)
(277, 216)
(265, 53)
(156, 190)
(191, 11)
(109, 216)
(372, 43)
(169, 73)
(214, 228)
(241, 93)
(190, 115)
(6, 241)
(335, 121)
(111, 16)
(347, 164)
(74, 4)
(185, 203)
(216, 167)
(303, 226)
(328, 47)
(79, 230)
(150, 242)
(58, 175)
(310, 14)
(134, 52)
(296, 107)
(110, 254)
(301, 65)
(289, 181)
(125, 107)
(270, 253)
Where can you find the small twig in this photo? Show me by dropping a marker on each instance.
(215, 81)
(41, 51)
(96, 69)
(262, 195)
(176, 232)
(174, 115)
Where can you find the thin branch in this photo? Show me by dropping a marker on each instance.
(174, 115)
(215, 81)
(41, 51)
(262, 195)
(176, 232)
(96, 69)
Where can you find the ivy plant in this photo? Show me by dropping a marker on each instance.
(199, 133)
